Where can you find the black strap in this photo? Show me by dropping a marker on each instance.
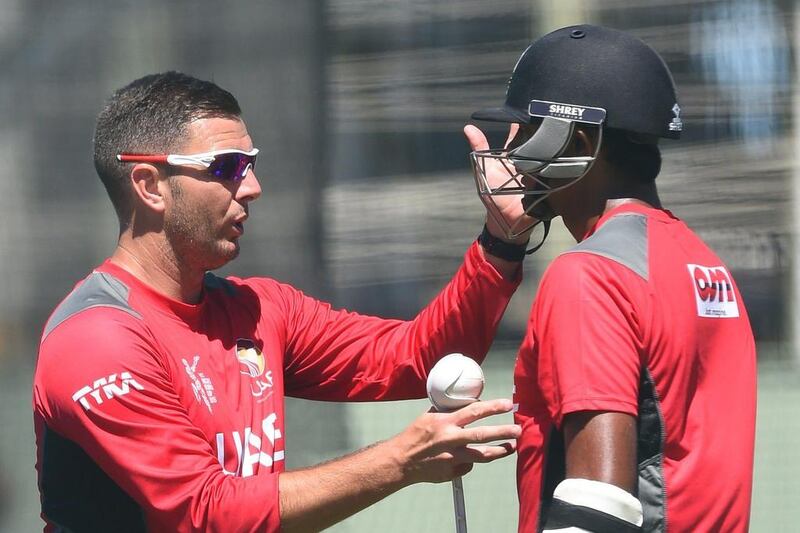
(506, 250)
(544, 237)
(563, 515)
(500, 248)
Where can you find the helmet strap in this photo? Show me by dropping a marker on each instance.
(544, 237)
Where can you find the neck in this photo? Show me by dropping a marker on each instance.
(154, 263)
(646, 197)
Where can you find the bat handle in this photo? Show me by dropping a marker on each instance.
(458, 505)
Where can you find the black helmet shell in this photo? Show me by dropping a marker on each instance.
(593, 66)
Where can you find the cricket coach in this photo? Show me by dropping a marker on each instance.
(159, 389)
(636, 380)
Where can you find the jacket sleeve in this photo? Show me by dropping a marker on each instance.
(101, 384)
(344, 356)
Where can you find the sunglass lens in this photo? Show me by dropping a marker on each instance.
(231, 167)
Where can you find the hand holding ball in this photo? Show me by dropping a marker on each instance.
(455, 381)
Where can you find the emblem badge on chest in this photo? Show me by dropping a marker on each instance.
(253, 364)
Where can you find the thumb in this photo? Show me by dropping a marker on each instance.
(477, 140)
(512, 132)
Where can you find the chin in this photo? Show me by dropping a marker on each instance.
(224, 254)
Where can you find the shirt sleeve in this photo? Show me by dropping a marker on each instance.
(587, 335)
(101, 384)
(344, 356)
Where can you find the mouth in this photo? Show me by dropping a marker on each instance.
(238, 224)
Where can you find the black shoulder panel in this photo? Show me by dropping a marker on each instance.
(623, 238)
(78, 497)
(98, 290)
(650, 450)
(555, 471)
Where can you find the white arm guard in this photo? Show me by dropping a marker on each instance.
(586, 506)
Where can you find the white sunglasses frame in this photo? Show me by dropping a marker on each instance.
(203, 159)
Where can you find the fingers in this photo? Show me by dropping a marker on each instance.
(484, 454)
(461, 437)
(477, 140)
(484, 434)
(459, 461)
(437, 445)
(512, 132)
(479, 410)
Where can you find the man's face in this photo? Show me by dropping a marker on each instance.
(563, 200)
(205, 217)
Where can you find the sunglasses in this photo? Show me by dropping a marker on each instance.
(225, 165)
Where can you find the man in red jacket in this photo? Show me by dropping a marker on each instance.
(159, 389)
(635, 382)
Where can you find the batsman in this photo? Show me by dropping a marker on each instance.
(636, 379)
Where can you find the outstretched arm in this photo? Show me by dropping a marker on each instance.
(337, 355)
(434, 448)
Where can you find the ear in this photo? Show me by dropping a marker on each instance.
(584, 142)
(147, 183)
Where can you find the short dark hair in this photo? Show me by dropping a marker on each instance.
(151, 115)
(636, 161)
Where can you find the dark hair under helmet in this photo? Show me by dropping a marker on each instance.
(594, 67)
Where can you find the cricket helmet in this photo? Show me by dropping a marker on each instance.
(575, 75)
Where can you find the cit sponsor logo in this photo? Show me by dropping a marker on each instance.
(713, 291)
(254, 448)
(252, 363)
(104, 389)
(202, 386)
(676, 124)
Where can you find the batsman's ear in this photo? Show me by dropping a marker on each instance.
(584, 141)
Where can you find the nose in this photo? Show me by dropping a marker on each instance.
(249, 188)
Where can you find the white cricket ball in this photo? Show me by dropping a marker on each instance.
(455, 381)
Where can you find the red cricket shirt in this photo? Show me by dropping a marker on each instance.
(643, 318)
(154, 414)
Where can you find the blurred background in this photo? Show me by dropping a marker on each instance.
(368, 200)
